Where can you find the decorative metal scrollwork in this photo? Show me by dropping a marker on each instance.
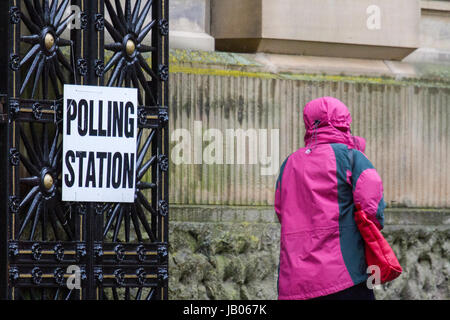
(162, 276)
(13, 249)
(119, 277)
(37, 110)
(141, 253)
(132, 217)
(141, 274)
(163, 72)
(36, 275)
(46, 26)
(59, 252)
(14, 204)
(163, 117)
(59, 276)
(13, 274)
(14, 108)
(163, 208)
(162, 253)
(82, 209)
(14, 62)
(163, 27)
(14, 15)
(120, 252)
(14, 156)
(163, 162)
(129, 34)
(58, 107)
(81, 251)
(142, 116)
(83, 20)
(99, 22)
(44, 233)
(83, 275)
(98, 274)
(36, 251)
(40, 203)
(99, 208)
(98, 250)
(82, 67)
(99, 68)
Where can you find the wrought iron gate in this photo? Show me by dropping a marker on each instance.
(120, 249)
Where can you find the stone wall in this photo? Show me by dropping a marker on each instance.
(224, 238)
(232, 253)
(406, 123)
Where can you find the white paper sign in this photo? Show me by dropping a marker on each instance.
(99, 144)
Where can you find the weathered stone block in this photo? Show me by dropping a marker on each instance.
(239, 260)
(347, 28)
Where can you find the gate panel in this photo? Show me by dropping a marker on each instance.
(121, 249)
(134, 252)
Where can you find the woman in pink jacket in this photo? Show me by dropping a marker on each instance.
(321, 249)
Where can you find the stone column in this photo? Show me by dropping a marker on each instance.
(190, 25)
(434, 34)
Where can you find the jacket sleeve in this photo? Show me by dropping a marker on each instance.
(278, 193)
(367, 188)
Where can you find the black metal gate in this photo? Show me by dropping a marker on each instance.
(117, 250)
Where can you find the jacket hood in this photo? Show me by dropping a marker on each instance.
(360, 143)
(328, 120)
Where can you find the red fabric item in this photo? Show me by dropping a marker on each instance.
(377, 249)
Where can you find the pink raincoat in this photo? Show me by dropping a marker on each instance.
(321, 249)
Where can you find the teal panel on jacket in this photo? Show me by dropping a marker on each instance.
(280, 176)
(360, 163)
(380, 212)
(352, 244)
